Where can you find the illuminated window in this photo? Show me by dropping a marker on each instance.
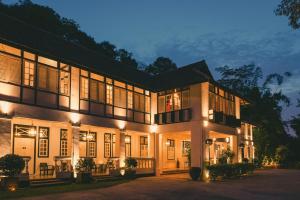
(147, 105)
(170, 149)
(169, 103)
(64, 83)
(90, 139)
(129, 100)
(120, 97)
(97, 91)
(127, 145)
(63, 142)
(186, 146)
(177, 101)
(139, 102)
(47, 78)
(84, 88)
(185, 99)
(10, 69)
(144, 146)
(28, 73)
(109, 145)
(161, 104)
(109, 94)
(43, 142)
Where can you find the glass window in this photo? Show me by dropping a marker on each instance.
(177, 101)
(47, 61)
(10, 49)
(109, 145)
(144, 146)
(29, 71)
(127, 145)
(139, 102)
(64, 83)
(161, 104)
(170, 149)
(119, 97)
(109, 94)
(147, 105)
(185, 99)
(186, 146)
(10, 69)
(84, 88)
(63, 142)
(169, 103)
(47, 78)
(97, 91)
(43, 142)
(129, 100)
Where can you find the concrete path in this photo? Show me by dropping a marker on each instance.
(265, 184)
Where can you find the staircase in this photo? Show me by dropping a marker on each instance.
(48, 182)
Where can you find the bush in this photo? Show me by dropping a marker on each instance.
(11, 165)
(85, 165)
(130, 162)
(230, 170)
(195, 173)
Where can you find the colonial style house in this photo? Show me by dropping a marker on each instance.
(60, 102)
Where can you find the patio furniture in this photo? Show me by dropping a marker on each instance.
(46, 169)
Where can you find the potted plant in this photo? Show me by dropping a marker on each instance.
(84, 170)
(195, 173)
(11, 166)
(130, 167)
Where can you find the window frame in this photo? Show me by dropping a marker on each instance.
(43, 139)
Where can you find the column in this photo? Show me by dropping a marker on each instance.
(5, 136)
(122, 149)
(196, 146)
(75, 146)
(158, 153)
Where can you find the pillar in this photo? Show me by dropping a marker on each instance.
(75, 145)
(196, 146)
(158, 154)
(122, 149)
(5, 136)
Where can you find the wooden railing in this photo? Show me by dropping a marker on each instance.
(145, 165)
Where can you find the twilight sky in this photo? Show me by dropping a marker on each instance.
(232, 32)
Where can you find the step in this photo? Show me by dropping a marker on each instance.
(48, 182)
(174, 172)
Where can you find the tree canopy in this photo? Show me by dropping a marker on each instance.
(161, 65)
(47, 19)
(291, 9)
(265, 107)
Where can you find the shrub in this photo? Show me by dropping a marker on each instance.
(195, 173)
(230, 170)
(85, 165)
(245, 160)
(130, 162)
(11, 165)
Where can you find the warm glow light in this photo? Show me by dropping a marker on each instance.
(227, 139)
(153, 128)
(214, 139)
(122, 172)
(168, 143)
(89, 136)
(238, 130)
(32, 132)
(127, 139)
(205, 123)
(75, 118)
(247, 142)
(207, 174)
(252, 143)
(121, 125)
(4, 106)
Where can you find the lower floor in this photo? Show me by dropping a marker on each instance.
(53, 148)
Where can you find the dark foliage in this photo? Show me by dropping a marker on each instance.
(195, 173)
(161, 65)
(291, 9)
(11, 165)
(230, 170)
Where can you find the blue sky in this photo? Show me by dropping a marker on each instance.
(232, 32)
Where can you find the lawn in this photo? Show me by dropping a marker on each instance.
(30, 192)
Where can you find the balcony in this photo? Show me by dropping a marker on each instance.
(176, 116)
(228, 120)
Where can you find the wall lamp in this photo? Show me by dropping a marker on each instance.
(75, 120)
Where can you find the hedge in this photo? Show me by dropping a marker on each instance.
(229, 170)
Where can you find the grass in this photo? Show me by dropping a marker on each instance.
(30, 192)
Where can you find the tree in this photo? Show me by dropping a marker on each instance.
(265, 105)
(161, 65)
(125, 58)
(295, 122)
(291, 9)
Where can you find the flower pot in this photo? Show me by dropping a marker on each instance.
(195, 173)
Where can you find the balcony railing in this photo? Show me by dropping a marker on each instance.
(176, 116)
(228, 120)
(145, 165)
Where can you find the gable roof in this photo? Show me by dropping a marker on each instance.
(35, 40)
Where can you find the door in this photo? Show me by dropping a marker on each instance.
(25, 147)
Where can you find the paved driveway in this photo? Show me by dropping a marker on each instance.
(265, 184)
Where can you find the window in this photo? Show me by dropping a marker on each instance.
(47, 78)
(161, 104)
(84, 88)
(144, 146)
(169, 103)
(147, 105)
(43, 142)
(29, 71)
(10, 69)
(127, 145)
(109, 94)
(97, 91)
(129, 100)
(185, 99)
(63, 142)
(170, 149)
(177, 101)
(186, 146)
(119, 97)
(139, 102)
(109, 145)
(90, 139)
(64, 83)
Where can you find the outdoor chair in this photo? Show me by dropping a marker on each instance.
(46, 169)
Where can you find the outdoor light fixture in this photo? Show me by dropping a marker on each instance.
(153, 128)
(205, 123)
(127, 139)
(227, 139)
(122, 172)
(168, 143)
(209, 141)
(89, 136)
(32, 132)
(121, 125)
(238, 130)
(75, 119)
(252, 143)
(247, 143)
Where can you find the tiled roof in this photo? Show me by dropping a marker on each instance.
(38, 41)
